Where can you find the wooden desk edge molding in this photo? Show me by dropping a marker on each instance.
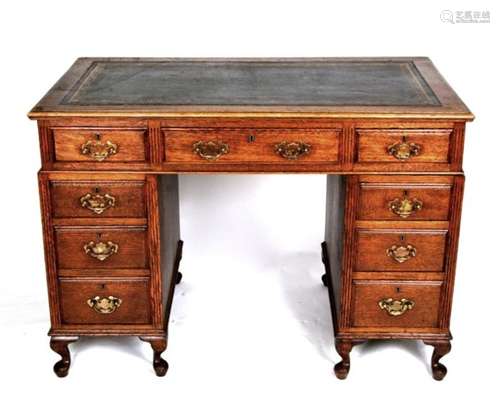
(115, 133)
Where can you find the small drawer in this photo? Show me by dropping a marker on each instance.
(105, 301)
(404, 198)
(99, 145)
(97, 199)
(403, 145)
(259, 145)
(405, 304)
(101, 248)
(403, 250)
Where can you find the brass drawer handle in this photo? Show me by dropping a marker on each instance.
(96, 202)
(99, 150)
(403, 150)
(405, 207)
(210, 150)
(292, 150)
(395, 307)
(104, 305)
(100, 250)
(402, 253)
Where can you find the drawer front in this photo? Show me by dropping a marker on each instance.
(398, 251)
(396, 304)
(265, 146)
(101, 248)
(100, 145)
(105, 301)
(404, 201)
(98, 199)
(403, 145)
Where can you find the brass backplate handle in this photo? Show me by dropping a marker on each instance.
(405, 207)
(98, 149)
(97, 203)
(292, 150)
(100, 250)
(402, 253)
(396, 307)
(104, 305)
(210, 150)
(403, 150)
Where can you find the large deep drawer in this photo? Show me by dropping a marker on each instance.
(105, 301)
(405, 304)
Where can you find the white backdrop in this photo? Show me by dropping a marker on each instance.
(259, 326)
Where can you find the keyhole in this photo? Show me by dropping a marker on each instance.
(405, 193)
(402, 237)
(99, 235)
(103, 286)
(251, 138)
(98, 136)
(96, 190)
(398, 290)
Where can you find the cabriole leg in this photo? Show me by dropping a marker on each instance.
(344, 347)
(159, 345)
(441, 348)
(60, 346)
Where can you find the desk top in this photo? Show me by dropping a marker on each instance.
(331, 87)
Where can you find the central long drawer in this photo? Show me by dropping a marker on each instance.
(251, 145)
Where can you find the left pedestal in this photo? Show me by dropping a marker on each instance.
(112, 252)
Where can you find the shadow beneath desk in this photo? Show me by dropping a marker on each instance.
(262, 237)
(129, 345)
(300, 276)
(414, 347)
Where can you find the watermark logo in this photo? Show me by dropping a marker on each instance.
(465, 17)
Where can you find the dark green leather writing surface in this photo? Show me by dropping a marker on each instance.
(329, 83)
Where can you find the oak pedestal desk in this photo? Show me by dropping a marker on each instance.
(115, 133)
